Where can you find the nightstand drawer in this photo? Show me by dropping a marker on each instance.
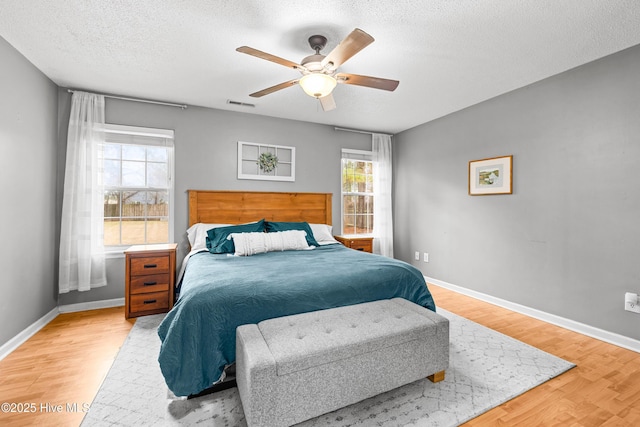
(149, 265)
(150, 283)
(361, 245)
(150, 301)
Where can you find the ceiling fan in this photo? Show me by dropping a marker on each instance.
(319, 72)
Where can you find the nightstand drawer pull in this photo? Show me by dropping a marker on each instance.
(149, 283)
(150, 265)
(359, 249)
(150, 301)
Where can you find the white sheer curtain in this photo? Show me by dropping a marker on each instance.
(382, 204)
(82, 259)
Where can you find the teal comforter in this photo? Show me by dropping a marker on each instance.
(221, 292)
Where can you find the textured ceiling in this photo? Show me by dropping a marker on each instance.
(446, 54)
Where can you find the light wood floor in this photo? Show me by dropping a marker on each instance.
(603, 390)
(66, 361)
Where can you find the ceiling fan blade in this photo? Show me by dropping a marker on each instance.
(352, 44)
(275, 88)
(264, 55)
(327, 102)
(373, 82)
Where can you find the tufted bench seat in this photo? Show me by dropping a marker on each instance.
(294, 368)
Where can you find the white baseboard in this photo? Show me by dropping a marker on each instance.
(590, 331)
(18, 340)
(91, 305)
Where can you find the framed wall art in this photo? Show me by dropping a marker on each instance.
(266, 162)
(491, 176)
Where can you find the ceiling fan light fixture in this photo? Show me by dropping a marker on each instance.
(318, 85)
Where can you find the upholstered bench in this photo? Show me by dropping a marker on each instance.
(294, 368)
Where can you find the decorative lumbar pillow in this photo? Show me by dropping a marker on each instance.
(218, 241)
(285, 226)
(247, 244)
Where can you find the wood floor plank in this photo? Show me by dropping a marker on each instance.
(67, 360)
(61, 366)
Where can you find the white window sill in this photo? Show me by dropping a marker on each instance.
(114, 253)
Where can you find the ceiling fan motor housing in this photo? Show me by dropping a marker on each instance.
(313, 62)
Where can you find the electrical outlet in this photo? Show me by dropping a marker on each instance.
(417, 255)
(631, 302)
(425, 257)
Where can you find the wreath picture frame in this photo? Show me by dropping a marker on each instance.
(266, 161)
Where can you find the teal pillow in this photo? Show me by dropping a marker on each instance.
(217, 241)
(286, 226)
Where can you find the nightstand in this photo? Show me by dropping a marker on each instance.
(150, 272)
(364, 244)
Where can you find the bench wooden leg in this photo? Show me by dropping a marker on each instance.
(437, 377)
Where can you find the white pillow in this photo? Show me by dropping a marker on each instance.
(322, 234)
(197, 234)
(247, 244)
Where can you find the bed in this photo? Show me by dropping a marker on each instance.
(219, 291)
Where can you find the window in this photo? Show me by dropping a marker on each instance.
(138, 186)
(357, 192)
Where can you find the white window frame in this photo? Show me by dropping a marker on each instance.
(166, 134)
(352, 154)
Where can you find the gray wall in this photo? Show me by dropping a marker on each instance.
(567, 242)
(27, 171)
(206, 158)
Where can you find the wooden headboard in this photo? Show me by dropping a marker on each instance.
(237, 207)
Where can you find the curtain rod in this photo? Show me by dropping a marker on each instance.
(169, 104)
(360, 131)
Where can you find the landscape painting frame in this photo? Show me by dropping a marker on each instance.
(491, 176)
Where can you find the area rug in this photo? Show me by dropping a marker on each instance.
(486, 369)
